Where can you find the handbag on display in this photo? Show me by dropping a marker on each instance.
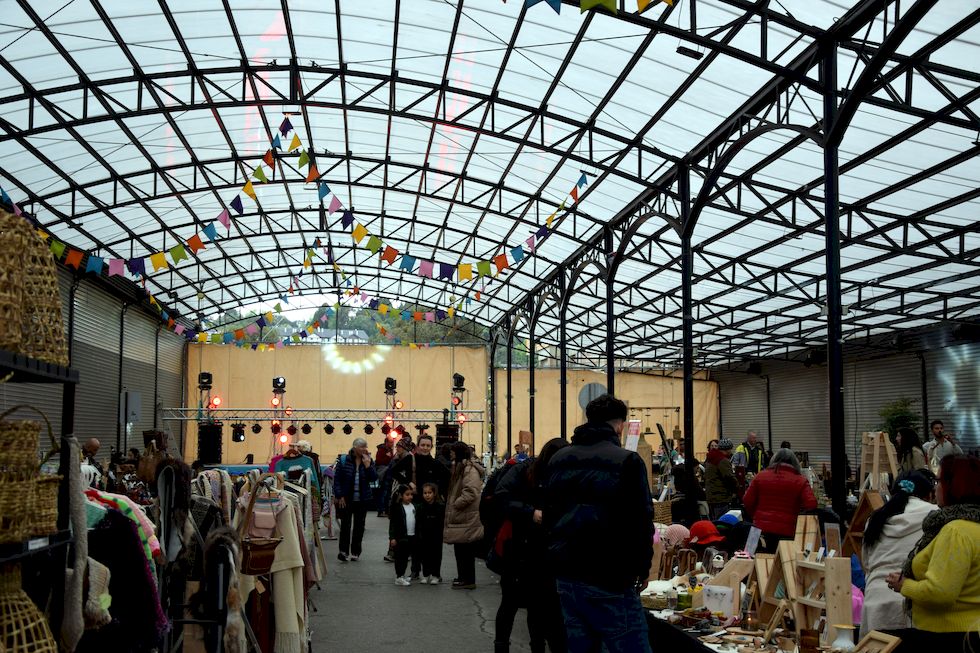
(258, 552)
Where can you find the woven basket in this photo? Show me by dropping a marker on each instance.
(42, 329)
(45, 505)
(12, 243)
(662, 513)
(19, 442)
(23, 629)
(17, 496)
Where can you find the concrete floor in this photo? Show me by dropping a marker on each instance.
(362, 610)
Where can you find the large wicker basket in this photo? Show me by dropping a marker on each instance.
(12, 244)
(45, 520)
(19, 472)
(23, 629)
(662, 512)
(42, 329)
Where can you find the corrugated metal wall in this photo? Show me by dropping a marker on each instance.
(95, 354)
(954, 391)
(799, 401)
(170, 378)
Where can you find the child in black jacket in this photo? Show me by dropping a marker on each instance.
(403, 532)
(431, 517)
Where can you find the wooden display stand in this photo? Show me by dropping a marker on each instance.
(808, 536)
(877, 456)
(870, 501)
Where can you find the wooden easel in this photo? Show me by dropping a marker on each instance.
(808, 537)
(877, 456)
(869, 502)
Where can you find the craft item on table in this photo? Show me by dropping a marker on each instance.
(877, 642)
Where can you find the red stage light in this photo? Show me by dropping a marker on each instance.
(389, 420)
(289, 411)
(215, 401)
(461, 418)
(283, 439)
(399, 404)
(276, 401)
(457, 400)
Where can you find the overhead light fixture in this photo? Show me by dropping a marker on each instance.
(399, 404)
(306, 429)
(348, 429)
(283, 439)
(458, 382)
(368, 429)
(238, 432)
(291, 429)
(256, 429)
(391, 386)
(279, 383)
(328, 429)
(276, 428)
(385, 428)
(689, 52)
(204, 381)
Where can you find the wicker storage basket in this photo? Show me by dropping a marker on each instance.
(19, 471)
(662, 513)
(23, 629)
(12, 243)
(45, 505)
(17, 497)
(42, 329)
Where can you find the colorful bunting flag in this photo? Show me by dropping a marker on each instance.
(425, 269)
(334, 205)
(276, 144)
(285, 127)
(483, 268)
(501, 262)
(310, 178)
(446, 270)
(610, 5)
(322, 190)
(179, 329)
(94, 264)
(574, 193)
(583, 180)
(389, 255)
(178, 253)
(159, 261)
(374, 244)
(417, 316)
(347, 220)
(294, 144)
(517, 254)
(383, 309)
(137, 267)
(237, 204)
(267, 159)
(17, 210)
(530, 243)
(74, 258)
(430, 316)
(57, 248)
(408, 263)
(239, 334)
(259, 174)
(211, 232)
(554, 4)
(248, 190)
(465, 271)
(304, 158)
(117, 267)
(359, 233)
(195, 243)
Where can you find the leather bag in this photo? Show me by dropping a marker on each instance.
(258, 553)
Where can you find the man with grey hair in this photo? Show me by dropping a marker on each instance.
(751, 454)
(354, 475)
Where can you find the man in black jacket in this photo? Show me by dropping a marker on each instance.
(600, 522)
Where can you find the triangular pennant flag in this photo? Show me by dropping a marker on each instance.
(554, 4)
(408, 263)
(211, 232)
(530, 242)
(310, 178)
(137, 267)
(260, 174)
(389, 255)
(541, 233)
(277, 308)
(307, 263)
(550, 219)
(465, 271)
(374, 244)
(610, 5)
(517, 254)
(159, 261)
(195, 243)
(178, 329)
(347, 220)
(483, 268)
(294, 144)
(267, 159)
(117, 267)
(359, 233)
(57, 248)
(74, 258)
(285, 127)
(383, 309)
(276, 143)
(334, 205)
(178, 253)
(323, 190)
(17, 210)
(269, 318)
(304, 158)
(501, 262)
(224, 218)
(583, 180)
(94, 264)
(260, 322)
(237, 204)
(248, 190)
(575, 193)
(4, 197)
(425, 269)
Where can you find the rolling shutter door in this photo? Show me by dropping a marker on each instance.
(170, 380)
(869, 385)
(138, 371)
(743, 405)
(96, 357)
(953, 377)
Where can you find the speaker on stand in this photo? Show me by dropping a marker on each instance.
(209, 442)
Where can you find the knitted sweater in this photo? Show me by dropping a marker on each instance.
(946, 598)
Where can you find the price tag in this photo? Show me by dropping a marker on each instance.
(37, 543)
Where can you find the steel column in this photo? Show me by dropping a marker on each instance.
(610, 318)
(687, 311)
(119, 406)
(492, 402)
(562, 363)
(768, 412)
(530, 382)
(510, 393)
(156, 374)
(924, 381)
(835, 354)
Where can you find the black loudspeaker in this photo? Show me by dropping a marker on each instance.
(209, 443)
(446, 433)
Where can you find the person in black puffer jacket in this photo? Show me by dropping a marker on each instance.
(599, 519)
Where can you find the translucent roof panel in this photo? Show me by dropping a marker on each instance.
(493, 149)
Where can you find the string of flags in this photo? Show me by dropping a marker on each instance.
(591, 5)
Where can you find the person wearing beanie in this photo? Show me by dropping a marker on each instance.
(719, 479)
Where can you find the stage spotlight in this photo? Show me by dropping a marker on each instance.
(276, 401)
(215, 403)
(389, 420)
(458, 382)
(461, 418)
(348, 429)
(457, 400)
(385, 428)
(279, 383)
(238, 432)
(276, 428)
(368, 429)
(291, 429)
(400, 430)
(288, 411)
(204, 380)
(390, 386)
(306, 429)
(256, 429)
(328, 429)
(283, 439)
(399, 404)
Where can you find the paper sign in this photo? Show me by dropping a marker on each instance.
(632, 435)
(752, 543)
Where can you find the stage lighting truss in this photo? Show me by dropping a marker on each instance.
(314, 415)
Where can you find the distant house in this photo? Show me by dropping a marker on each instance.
(341, 337)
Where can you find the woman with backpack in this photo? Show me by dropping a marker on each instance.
(519, 555)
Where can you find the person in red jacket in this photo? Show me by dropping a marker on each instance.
(776, 497)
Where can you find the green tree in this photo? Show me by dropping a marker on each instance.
(898, 414)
